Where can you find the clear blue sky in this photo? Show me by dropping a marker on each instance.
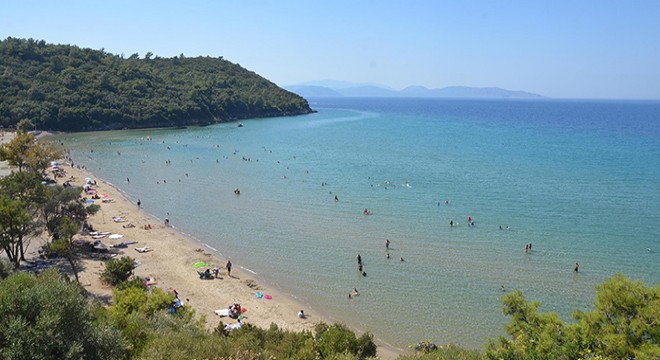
(562, 49)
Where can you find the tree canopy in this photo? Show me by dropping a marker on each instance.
(68, 88)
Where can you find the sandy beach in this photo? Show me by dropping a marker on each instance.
(168, 264)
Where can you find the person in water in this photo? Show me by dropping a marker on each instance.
(577, 267)
(387, 244)
(366, 211)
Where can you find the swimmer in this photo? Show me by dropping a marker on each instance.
(401, 259)
(355, 292)
(387, 256)
(366, 211)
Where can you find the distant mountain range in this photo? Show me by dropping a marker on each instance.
(333, 88)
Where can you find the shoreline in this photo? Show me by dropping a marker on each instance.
(170, 265)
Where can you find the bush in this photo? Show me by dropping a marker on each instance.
(47, 317)
(118, 271)
(5, 268)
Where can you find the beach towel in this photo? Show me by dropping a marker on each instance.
(115, 236)
(259, 294)
(268, 297)
(222, 312)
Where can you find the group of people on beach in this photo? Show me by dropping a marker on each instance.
(209, 273)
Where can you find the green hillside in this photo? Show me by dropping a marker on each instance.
(67, 88)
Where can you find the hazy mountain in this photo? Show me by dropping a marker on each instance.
(313, 91)
(332, 88)
(339, 84)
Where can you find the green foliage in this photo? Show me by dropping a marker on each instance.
(46, 317)
(24, 125)
(251, 342)
(67, 88)
(5, 267)
(338, 339)
(624, 325)
(118, 271)
(61, 203)
(447, 352)
(15, 225)
(15, 151)
(25, 153)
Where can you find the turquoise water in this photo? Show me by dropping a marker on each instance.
(578, 180)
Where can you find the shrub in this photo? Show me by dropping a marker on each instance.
(118, 271)
(47, 317)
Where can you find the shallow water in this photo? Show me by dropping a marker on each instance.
(578, 180)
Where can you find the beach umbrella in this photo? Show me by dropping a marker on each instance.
(199, 264)
(89, 180)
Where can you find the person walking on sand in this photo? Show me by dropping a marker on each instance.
(228, 266)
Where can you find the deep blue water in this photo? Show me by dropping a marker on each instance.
(580, 180)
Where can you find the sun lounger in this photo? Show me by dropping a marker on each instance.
(143, 249)
(118, 219)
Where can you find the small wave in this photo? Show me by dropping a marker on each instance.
(248, 270)
(210, 247)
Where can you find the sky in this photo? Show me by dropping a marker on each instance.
(561, 49)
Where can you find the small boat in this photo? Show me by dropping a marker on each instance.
(240, 124)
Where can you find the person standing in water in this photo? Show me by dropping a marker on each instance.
(387, 244)
(577, 267)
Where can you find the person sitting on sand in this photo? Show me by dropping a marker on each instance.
(301, 314)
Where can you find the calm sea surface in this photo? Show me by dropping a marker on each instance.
(578, 180)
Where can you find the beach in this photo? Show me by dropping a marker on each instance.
(169, 263)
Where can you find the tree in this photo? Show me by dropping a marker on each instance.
(15, 225)
(624, 325)
(14, 152)
(626, 321)
(60, 203)
(118, 271)
(47, 317)
(39, 156)
(24, 126)
(27, 192)
(64, 244)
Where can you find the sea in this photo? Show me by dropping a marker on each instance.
(579, 180)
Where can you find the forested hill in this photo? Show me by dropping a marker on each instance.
(67, 88)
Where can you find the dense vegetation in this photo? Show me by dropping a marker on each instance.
(64, 87)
